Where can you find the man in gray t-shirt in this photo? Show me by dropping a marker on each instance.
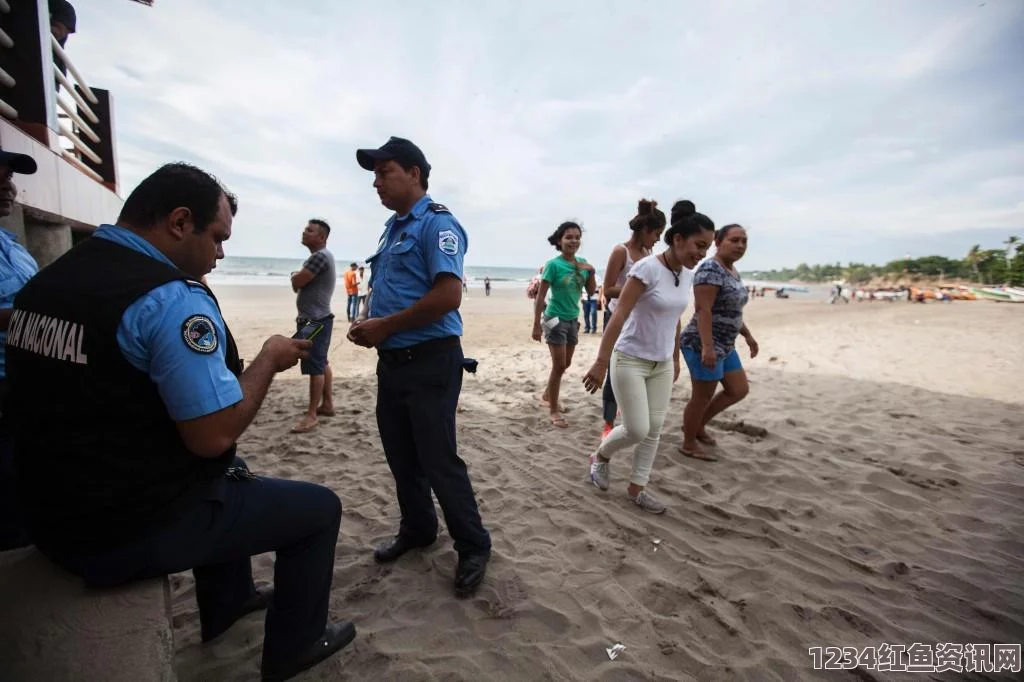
(314, 284)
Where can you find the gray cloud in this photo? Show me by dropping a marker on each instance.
(831, 131)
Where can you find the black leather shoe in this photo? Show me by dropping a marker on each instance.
(391, 550)
(257, 602)
(470, 573)
(336, 637)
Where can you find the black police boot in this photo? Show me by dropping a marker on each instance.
(257, 602)
(394, 548)
(335, 638)
(470, 573)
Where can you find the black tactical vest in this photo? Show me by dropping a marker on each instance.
(99, 460)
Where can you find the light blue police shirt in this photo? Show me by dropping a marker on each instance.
(191, 383)
(413, 251)
(17, 266)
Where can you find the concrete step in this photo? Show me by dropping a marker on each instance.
(52, 628)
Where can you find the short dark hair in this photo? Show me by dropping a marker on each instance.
(353, 265)
(724, 230)
(556, 237)
(176, 185)
(686, 221)
(322, 224)
(648, 216)
(408, 165)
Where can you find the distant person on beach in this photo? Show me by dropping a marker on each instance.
(142, 479)
(565, 275)
(645, 234)
(487, 286)
(709, 340)
(589, 303)
(414, 324)
(17, 266)
(314, 284)
(351, 281)
(363, 289)
(534, 286)
(645, 362)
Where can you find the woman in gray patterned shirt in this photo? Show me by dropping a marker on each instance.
(709, 341)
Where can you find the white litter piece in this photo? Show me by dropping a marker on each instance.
(656, 542)
(614, 651)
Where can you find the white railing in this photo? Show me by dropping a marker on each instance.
(6, 110)
(75, 148)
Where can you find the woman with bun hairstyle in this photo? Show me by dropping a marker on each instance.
(646, 233)
(644, 332)
(565, 275)
(709, 340)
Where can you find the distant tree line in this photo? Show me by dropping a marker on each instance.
(984, 266)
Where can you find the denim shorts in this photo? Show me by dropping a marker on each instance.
(730, 363)
(316, 364)
(565, 333)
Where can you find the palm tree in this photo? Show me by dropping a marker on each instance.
(973, 257)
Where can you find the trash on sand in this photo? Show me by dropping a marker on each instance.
(615, 651)
(656, 542)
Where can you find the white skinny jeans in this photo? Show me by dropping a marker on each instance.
(642, 390)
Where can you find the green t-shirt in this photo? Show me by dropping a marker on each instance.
(566, 281)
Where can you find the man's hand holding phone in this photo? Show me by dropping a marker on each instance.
(285, 353)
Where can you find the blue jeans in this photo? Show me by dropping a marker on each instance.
(352, 307)
(590, 315)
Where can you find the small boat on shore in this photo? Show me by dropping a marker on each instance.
(1000, 294)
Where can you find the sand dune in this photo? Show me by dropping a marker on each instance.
(870, 490)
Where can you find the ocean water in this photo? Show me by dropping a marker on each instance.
(274, 271)
(254, 271)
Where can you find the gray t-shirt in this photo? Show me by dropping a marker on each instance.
(726, 312)
(314, 300)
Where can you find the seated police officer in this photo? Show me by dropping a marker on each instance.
(127, 398)
(415, 326)
(17, 266)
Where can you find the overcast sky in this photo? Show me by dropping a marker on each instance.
(862, 130)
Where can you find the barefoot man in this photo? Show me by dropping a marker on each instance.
(314, 284)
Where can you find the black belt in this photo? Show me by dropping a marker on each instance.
(397, 356)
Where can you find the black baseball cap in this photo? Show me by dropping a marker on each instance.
(19, 163)
(64, 12)
(398, 149)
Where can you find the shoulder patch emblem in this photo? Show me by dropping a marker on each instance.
(438, 208)
(448, 242)
(200, 334)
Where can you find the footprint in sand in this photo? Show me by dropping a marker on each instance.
(757, 432)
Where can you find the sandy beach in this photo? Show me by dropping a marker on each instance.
(870, 489)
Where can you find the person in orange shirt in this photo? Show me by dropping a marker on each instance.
(352, 289)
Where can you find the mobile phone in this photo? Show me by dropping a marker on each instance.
(309, 330)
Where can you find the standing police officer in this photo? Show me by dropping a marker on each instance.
(127, 397)
(415, 326)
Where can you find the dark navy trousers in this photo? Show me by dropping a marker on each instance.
(215, 539)
(416, 401)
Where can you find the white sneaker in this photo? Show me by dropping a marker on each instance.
(648, 502)
(599, 472)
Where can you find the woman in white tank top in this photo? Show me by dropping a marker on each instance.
(622, 258)
(644, 332)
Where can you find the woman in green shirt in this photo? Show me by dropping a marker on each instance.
(565, 276)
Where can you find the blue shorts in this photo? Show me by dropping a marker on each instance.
(316, 364)
(730, 363)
